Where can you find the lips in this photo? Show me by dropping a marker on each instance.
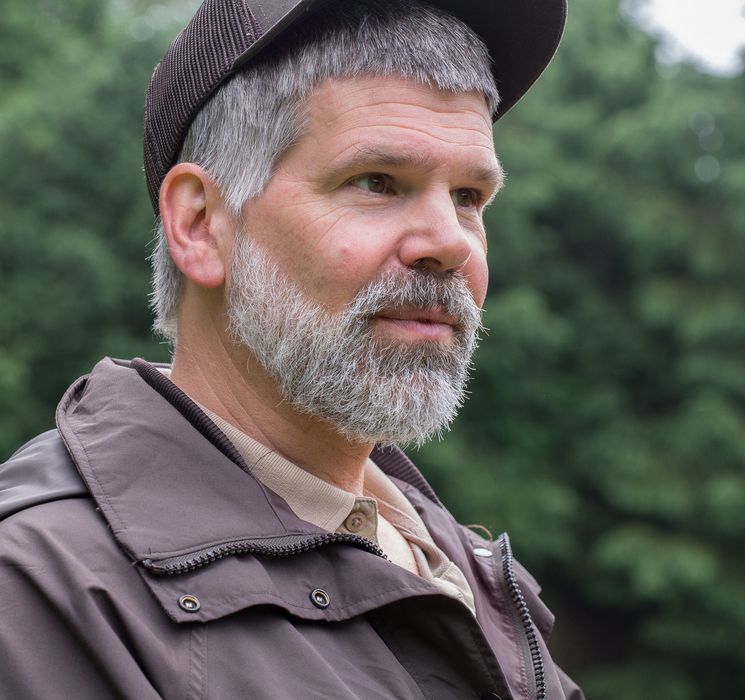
(430, 315)
(409, 324)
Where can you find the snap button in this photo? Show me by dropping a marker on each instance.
(320, 598)
(189, 603)
(483, 552)
(355, 522)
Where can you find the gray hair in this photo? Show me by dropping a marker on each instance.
(241, 133)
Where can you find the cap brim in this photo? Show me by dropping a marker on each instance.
(522, 36)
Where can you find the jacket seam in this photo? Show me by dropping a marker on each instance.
(198, 667)
(267, 598)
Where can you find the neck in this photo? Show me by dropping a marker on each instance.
(235, 386)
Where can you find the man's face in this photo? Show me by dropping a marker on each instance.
(388, 175)
(358, 279)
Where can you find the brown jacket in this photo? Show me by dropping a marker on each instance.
(170, 572)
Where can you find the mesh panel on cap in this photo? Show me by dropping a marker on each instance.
(197, 61)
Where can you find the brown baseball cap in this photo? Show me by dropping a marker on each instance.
(521, 35)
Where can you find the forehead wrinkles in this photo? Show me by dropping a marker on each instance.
(412, 136)
(417, 133)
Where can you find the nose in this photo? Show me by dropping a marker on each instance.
(434, 236)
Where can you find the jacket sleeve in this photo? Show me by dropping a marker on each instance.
(63, 634)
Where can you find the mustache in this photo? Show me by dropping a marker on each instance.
(419, 290)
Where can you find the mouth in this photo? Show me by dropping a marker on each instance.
(411, 324)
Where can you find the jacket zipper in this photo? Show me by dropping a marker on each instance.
(531, 637)
(208, 555)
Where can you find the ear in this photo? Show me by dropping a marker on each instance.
(196, 224)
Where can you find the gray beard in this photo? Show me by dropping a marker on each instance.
(334, 367)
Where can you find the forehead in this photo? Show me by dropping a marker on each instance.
(361, 112)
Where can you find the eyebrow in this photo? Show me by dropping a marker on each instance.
(366, 157)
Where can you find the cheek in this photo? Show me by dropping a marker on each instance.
(345, 268)
(347, 255)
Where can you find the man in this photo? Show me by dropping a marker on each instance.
(242, 525)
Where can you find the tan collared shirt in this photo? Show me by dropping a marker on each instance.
(382, 514)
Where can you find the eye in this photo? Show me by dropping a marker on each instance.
(466, 197)
(375, 183)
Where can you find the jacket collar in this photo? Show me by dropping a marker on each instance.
(166, 479)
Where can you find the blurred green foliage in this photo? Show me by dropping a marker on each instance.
(606, 429)
(606, 426)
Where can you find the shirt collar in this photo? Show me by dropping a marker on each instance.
(310, 498)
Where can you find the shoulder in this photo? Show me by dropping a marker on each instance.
(45, 508)
(77, 600)
(62, 552)
(38, 472)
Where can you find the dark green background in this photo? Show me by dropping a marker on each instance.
(606, 426)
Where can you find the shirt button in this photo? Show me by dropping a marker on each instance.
(483, 552)
(355, 522)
